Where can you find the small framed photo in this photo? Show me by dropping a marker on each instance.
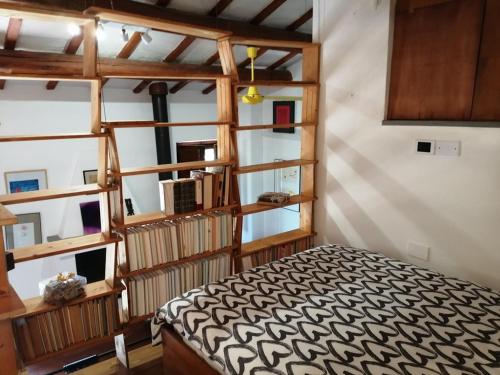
(284, 113)
(90, 176)
(27, 232)
(22, 181)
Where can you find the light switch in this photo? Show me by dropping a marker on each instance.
(448, 148)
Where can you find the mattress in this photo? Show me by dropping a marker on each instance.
(339, 310)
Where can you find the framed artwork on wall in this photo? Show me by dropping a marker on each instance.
(284, 113)
(27, 232)
(22, 181)
(91, 217)
(90, 176)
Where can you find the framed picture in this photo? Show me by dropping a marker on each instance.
(27, 231)
(90, 176)
(284, 113)
(22, 181)
(91, 217)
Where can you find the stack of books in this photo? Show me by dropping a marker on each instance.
(155, 244)
(41, 334)
(204, 190)
(276, 252)
(150, 290)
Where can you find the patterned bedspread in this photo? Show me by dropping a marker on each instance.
(340, 310)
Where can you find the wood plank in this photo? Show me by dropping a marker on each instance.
(301, 20)
(90, 49)
(155, 124)
(67, 245)
(95, 106)
(155, 217)
(8, 351)
(282, 60)
(276, 83)
(128, 49)
(48, 137)
(273, 165)
(28, 9)
(56, 193)
(253, 208)
(487, 86)
(432, 58)
(275, 240)
(266, 12)
(203, 255)
(271, 126)
(93, 290)
(270, 43)
(170, 167)
(70, 49)
(10, 305)
(12, 33)
(219, 8)
(6, 217)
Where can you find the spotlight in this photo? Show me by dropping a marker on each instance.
(146, 38)
(74, 29)
(99, 33)
(124, 34)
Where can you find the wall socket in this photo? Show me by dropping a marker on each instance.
(418, 250)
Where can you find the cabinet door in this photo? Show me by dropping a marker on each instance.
(434, 60)
(486, 105)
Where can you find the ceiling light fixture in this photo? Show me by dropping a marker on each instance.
(74, 29)
(124, 34)
(146, 38)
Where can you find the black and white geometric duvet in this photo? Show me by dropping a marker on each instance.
(340, 310)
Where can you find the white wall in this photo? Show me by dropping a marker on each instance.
(374, 191)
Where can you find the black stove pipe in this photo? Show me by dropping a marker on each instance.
(158, 92)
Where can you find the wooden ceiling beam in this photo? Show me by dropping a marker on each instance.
(163, 3)
(219, 8)
(128, 49)
(70, 49)
(36, 64)
(11, 36)
(300, 21)
(266, 12)
(210, 61)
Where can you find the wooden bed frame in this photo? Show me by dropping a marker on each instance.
(179, 358)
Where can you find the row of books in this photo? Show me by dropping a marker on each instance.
(55, 330)
(202, 191)
(160, 243)
(150, 290)
(276, 252)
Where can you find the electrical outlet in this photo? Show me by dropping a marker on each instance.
(448, 148)
(418, 250)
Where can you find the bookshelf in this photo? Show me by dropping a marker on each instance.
(120, 279)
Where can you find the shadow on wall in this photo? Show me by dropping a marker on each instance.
(413, 209)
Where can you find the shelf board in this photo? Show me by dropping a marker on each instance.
(271, 126)
(277, 83)
(24, 138)
(272, 165)
(254, 208)
(192, 258)
(39, 195)
(171, 167)
(44, 77)
(10, 305)
(275, 240)
(94, 290)
(150, 124)
(154, 217)
(67, 245)
(6, 217)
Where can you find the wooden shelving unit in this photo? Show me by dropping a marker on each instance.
(254, 208)
(109, 187)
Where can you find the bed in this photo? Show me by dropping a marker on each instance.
(332, 310)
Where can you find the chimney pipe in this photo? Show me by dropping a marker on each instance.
(158, 92)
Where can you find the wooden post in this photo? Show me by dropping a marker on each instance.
(89, 49)
(8, 360)
(4, 280)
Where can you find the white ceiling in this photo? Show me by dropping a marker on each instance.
(45, 36)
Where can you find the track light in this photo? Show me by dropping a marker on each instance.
(74, 29)
(146, 38)
(99, 33)
(124, 34)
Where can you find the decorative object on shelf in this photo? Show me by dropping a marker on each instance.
(284, 113)
(130, 207)
(23, 181)
(273, 198)
(62, 288)
(91, 265)
(90, 176)
(27, 231)
(91, 217)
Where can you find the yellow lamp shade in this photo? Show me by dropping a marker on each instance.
(252, 96)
